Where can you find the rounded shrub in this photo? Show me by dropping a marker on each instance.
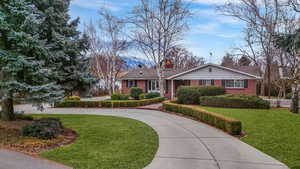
(135, 92)
(191, 94)
(46, 128)
(142, 96)
(152, 95)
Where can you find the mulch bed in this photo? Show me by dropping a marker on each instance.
(11, 138)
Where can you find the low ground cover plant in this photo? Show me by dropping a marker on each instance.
(45, 128)
(234, 101)
(191, 94)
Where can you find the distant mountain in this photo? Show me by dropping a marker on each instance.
(134, 62)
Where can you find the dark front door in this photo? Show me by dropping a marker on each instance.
(178, 83)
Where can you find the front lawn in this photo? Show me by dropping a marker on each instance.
(275, 131)
(105, 143)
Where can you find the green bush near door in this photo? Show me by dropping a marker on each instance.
(191, 94)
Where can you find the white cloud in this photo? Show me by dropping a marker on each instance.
(215, 16)
(214, 29)
(96, 4)
(212, 2)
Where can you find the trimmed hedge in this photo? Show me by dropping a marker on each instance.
(116, 96)
(72, 98)
(227, 124)
(234, 101)
(152, 95)
(108, 103)
(191, 94)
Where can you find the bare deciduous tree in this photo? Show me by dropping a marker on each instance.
(158, 27)
(183, 59)
(263, 20)
(107, 43)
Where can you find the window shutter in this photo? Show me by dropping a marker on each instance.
(135, 83)
(212, 82)
(200, 82)
(245, 84)
(127, 84)
(223, 83)
(167, 86)
(146, 86)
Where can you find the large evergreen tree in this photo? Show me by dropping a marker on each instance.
(67, 46)
(23, 57)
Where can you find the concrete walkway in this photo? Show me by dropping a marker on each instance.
(183, 143)
(14, 160)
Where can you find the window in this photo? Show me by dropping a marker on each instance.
(131, 83)
(235, 83)
(153, 86)
(206, 82)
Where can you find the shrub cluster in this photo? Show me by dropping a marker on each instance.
(47, 128)
(234, 101)
(191, 94)
(116, 96)
(152, 95)
(229, 125)
(72, 98)
(142, 96)
(109, 103)
(289, 96)
(135, 92)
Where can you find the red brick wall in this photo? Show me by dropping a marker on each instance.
(140, 84)
(194, 82)
(251, 90)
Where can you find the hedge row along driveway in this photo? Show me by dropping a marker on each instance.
(222, 122)
(108, 103)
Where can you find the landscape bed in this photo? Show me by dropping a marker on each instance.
(108, 103)
(105, 142)
(273, 131)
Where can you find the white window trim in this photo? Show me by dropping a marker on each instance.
(151, 88)
(235, 86)
(131, 83)
(206, 82)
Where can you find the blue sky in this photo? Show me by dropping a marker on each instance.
(209, 31)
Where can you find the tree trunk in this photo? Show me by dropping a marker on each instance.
(7, 113)
(295, 101)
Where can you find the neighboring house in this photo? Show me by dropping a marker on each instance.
(238, 80)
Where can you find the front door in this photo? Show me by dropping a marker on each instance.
(178, 83)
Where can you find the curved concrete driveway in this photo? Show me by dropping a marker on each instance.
(186, 144)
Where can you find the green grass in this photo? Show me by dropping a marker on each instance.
(106, 143)
(275, 132)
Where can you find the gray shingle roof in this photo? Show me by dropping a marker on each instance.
(150, 73)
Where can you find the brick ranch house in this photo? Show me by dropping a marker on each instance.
(236, 80)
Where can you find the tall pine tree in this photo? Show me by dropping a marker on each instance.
(23, 57)
(67, 46)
